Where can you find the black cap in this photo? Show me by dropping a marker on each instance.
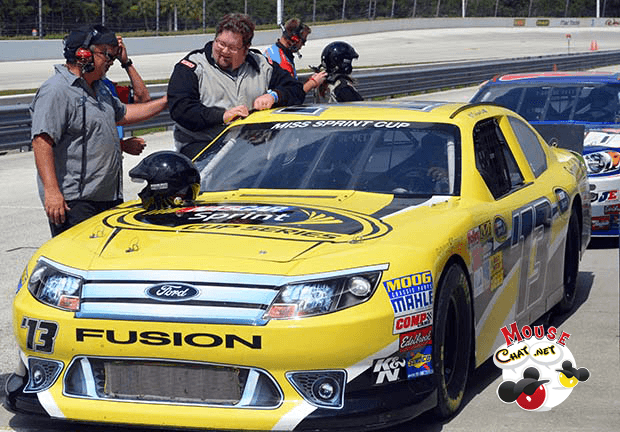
(582, 374)
(509, 391)
(86, 36)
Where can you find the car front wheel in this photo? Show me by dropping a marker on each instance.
(452, 343)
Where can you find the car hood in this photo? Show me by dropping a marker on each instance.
(218, 227)
(606, 137)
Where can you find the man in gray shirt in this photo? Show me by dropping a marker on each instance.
(74, 138)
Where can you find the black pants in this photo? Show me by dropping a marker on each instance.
(80, 211)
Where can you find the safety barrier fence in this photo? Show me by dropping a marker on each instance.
(377, 83)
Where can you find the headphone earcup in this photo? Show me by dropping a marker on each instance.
(85, 58)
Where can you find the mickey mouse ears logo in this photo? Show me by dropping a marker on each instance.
(509, 391)
(538, 373)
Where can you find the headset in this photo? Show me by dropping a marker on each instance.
(83, 55)
(294, 35)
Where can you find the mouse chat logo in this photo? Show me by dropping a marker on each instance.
(538, 370)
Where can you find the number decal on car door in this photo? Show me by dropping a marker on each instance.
(531, 232)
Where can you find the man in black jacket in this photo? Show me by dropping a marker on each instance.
(211, 87)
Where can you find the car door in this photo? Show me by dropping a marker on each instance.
(521, 219)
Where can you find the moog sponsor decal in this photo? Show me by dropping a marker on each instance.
(410, 293)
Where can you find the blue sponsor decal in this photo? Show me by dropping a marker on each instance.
(420, 362)
(410, 293)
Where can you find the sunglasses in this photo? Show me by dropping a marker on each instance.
(110, 57)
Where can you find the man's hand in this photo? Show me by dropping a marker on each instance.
(133, 145)
(264, 102)
(55, 206)
(122, 51)
(318, 78)
(236, 112)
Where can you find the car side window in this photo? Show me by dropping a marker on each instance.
(494, 160)
(536, 157)
(597, 105)
(533, 106)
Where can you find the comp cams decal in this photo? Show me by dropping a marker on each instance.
(255, 220)
(413, 321)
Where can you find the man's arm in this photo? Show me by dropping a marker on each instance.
(315, 81)
(290, 91)
(140, 92)
(184, 100)
(55, 204)
(143, 111)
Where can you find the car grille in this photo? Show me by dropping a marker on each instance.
(171, 382)
(220, 298)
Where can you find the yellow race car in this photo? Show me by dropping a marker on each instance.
(344, 266)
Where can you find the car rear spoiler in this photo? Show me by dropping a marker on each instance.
(567, 136)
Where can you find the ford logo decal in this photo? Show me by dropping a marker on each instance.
(172, 292)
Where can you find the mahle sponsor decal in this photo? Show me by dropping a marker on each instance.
(410, 293)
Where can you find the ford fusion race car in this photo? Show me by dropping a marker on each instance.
(344, 266)
(591, 99)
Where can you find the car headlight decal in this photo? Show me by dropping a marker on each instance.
(602, 162)
(55, 287)
(311, 298)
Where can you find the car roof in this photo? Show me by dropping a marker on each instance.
(417, 111)
(556, 77)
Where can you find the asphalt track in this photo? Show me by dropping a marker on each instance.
(594, 405)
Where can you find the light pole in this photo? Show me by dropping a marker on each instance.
(40, 20)
(280, 6)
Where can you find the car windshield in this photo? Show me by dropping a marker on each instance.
(590, 103)
(402, 158)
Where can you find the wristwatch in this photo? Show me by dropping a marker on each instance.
(273, 94)
(126, 65)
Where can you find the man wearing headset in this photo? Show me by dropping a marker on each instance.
(74, 138)
(294, 36)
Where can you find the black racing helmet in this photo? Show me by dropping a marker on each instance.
(171, 179)
(336, 58)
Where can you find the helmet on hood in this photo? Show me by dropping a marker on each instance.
(171, 179)
(336, 58)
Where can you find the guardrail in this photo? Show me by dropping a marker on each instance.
(381, 82)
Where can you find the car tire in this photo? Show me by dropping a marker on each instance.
(452, 340)
(571, 264)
